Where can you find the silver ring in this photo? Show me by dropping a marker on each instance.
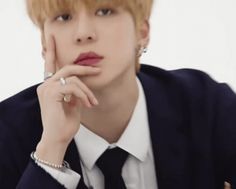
(62, 81)
(47, 75)
(66, 97)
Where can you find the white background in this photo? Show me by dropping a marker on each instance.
(184, 33)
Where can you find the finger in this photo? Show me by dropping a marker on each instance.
(88, 92)
(76, 70)
(227, 185)
(50, 56)
(73, 89)
(84, 88)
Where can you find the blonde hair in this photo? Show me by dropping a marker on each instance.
(39, 10)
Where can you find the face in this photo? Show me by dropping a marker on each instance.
(109, 32)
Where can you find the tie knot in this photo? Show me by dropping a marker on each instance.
(112, 161)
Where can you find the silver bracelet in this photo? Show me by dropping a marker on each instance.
(65, 164)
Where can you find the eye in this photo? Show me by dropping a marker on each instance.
(64, 17)
(104, 12)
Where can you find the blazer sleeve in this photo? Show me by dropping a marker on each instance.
(36, 177)
(17, 170)
(225, 134)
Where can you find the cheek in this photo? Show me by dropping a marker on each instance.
(121, 40)
(62, 52)
(125, 44)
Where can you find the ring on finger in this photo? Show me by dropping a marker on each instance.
(62, 81)
(66, 97)
(47, 75)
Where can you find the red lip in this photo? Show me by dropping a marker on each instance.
(87, 59)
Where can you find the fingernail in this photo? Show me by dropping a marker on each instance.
(95, 102)
(89, 106)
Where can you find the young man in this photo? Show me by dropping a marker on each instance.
(116, 126)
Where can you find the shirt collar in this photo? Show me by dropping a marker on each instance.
(134, 140)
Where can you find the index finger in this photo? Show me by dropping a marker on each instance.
(227, 185)
(50, 55)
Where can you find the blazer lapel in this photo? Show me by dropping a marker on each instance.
(72, 157)
(169, 141)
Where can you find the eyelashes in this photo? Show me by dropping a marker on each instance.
(107, 11)
(63, 17)
(100, 12)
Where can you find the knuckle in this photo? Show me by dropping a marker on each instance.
(74, 86)
(74, 79)
(46, 90)
(39, 89)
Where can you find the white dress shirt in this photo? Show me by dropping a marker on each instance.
(138, 171)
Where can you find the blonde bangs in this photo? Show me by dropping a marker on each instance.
(39, 10)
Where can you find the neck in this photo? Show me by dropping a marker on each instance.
(116, 104)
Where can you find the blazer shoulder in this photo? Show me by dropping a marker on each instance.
(190, 81)
(20, 131)
(184, 75)
(23, 104)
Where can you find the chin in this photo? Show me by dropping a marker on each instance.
(105, 80)
(95, 82)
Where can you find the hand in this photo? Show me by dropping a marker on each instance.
(61, 120)
(227, 185)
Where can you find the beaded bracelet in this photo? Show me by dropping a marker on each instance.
(65, 164)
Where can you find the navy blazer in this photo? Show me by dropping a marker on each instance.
(192, 123)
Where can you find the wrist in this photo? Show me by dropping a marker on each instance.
(49, 164)
(51, 152)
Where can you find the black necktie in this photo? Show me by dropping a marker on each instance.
(111, 163)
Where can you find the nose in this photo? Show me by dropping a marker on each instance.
(84, 38)
(84, 29)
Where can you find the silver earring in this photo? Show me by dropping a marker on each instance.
(142, 50)
(145, 49)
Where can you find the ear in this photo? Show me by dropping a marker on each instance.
(144, 34)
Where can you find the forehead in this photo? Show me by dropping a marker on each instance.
(49, 7)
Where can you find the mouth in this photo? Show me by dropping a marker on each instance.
(88, 59)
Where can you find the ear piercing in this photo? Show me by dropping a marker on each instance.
(142, 50)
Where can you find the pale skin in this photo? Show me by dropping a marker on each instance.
(102, 97)
(111, 84)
